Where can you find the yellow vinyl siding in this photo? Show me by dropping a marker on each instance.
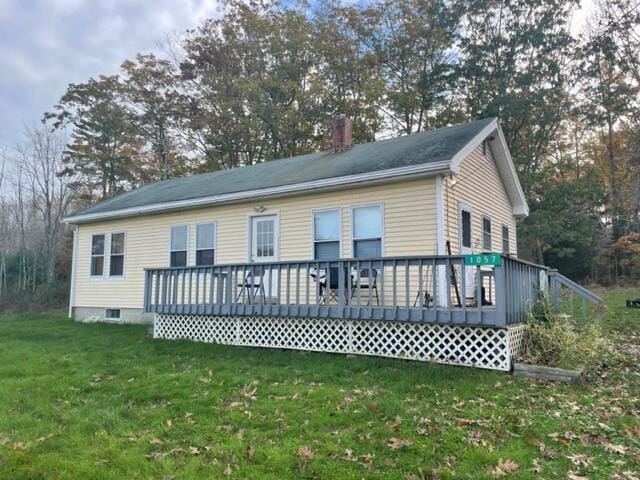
(409, 229)
(480, 186)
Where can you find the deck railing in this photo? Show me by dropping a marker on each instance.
(438, 289)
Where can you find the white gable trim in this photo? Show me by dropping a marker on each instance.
(504, 163)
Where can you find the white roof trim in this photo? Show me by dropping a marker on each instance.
(379, 176)
(507, 170)
(457, 159)
(504, 163)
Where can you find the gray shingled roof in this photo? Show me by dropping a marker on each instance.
(433, 146)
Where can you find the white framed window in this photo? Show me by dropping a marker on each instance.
(179, 246)
(505, 239)
(367, 230)
(116, 258)
(465, 227)
(486, 233)
(97, 255)
(205, 244)
(326, 234)
(112, 314)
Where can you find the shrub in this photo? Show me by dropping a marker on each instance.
(556, 340)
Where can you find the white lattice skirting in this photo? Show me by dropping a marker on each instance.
(484, 347)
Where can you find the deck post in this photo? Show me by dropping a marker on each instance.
(147, 289)
(501, 294)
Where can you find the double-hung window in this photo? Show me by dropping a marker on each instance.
(505, 239)
(97, 255)
(326, 234)
(179, 246)
(466, 228)
(486, 233)
(205, 244)
(367, 231)
(116, 260)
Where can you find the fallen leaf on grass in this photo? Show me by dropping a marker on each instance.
(615, 448)
(249, 391)
(19, 446)
(396, 443)
(463, 422)
(227, 471)
(194, 451)
(3, 440)
(625, 476)
(156, 441)
(168, 423)
(573, 476)
(249, 452)
(504, 467)
(579, 459)
(240, 434)
(305, 452)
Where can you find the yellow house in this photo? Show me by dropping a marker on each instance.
(362, 249)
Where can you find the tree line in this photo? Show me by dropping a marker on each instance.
(263, 80)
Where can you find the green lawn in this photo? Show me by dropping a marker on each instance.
(107, 401)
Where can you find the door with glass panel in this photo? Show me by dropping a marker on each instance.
(264, 249)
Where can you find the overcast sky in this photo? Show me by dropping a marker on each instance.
(47, 44)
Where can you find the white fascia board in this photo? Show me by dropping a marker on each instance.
(504, 163)
(370, 177)
(463, 153)
(510, 176)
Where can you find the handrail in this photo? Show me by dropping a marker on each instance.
(555, 276)
(440, 259)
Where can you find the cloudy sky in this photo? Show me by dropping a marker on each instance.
(46, 44)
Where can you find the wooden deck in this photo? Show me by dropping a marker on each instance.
(431, 289)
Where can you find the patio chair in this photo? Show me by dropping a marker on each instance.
(427, 298)
(366, 281)
(252, 284)
(330, 291)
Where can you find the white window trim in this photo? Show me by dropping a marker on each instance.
(195, 246)
(353, 238)
(249, 232)
(462, 206)
(171, 227)
(104, 255)
(482, 219)
(313, 229)
(504, 225)
(124, 257)
(112, 308)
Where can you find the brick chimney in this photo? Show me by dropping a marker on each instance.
(341, 133)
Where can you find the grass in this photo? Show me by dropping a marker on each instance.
(106, 401)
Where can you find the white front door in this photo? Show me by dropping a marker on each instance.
(264, 249)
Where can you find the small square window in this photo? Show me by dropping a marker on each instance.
(112, 314)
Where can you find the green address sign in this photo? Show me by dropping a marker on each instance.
(480, 259)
